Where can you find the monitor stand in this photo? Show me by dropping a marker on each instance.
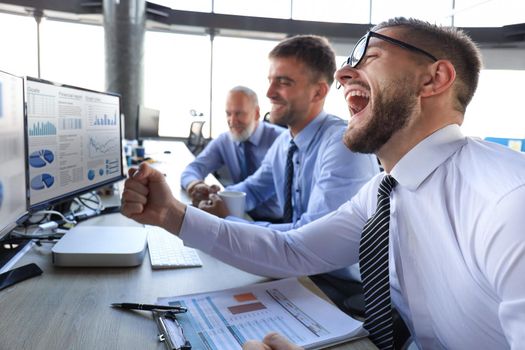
(9, 247)
(101, 246)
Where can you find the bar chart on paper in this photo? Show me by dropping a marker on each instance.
(227, 319)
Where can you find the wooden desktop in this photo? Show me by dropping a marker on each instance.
(69, 308)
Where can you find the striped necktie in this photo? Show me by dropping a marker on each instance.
(288, 212)
(373, 261)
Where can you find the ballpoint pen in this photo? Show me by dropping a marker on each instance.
(134, 306)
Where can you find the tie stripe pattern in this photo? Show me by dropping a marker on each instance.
(288, 213)
(373, 261)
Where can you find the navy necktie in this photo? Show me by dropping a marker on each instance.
(288, 212)
(242, 161)
(373, 261)
(246, 161)
(251, 167)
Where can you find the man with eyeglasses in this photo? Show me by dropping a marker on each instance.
(439, 236)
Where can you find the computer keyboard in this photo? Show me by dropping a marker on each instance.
(167, 251)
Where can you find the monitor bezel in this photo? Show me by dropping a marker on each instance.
(5, 230)
(33, 208)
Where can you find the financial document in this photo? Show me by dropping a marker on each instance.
(226, 319)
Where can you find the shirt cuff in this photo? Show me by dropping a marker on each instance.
(199, 229)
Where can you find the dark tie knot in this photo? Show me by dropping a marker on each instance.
(387, 185)
(292, 148)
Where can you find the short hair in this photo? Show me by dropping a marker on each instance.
(248, 92)
(447, 43)
(314, 51)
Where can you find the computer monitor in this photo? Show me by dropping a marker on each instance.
(147, 123)
(13, 204)
(74, 141)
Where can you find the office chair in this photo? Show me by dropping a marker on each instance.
(196, 140)
(267, 119)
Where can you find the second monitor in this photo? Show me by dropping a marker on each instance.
(74, 141)
(147, 123)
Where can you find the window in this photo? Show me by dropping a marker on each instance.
(177, 79)
(232, 67)
(341, 11)
(438, 12)
(497, 108)
(19, 51)
(476, 13)
(266, 8)
(73, 53)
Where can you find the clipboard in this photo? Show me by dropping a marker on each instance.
(170, 331)
(228, 318)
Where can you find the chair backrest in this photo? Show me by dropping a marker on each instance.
(196, 141)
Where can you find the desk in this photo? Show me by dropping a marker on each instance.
(68, 308)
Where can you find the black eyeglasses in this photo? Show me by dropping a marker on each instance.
(360, 49)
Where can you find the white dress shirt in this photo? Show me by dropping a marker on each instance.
(457, 242)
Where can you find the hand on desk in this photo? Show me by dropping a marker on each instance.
(214, 205)
(147, 199)
(272, 341)
(199, 192)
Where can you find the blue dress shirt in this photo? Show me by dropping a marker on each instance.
(326, 172)
(224, 151)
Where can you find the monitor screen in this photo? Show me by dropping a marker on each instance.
(13, 203)
(74, 141)
(147, 123)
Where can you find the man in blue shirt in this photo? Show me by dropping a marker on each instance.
(241, 150)
(322, 172)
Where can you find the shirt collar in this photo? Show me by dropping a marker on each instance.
(426, 156)
(305, 136)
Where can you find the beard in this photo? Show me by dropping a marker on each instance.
(390, 113)
(245, 134)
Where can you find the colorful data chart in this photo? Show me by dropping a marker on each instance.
(41, 158)
(105, 120)
(42, 181)
(43, 129)
(70, 123)
(112, 166)
(102, 145)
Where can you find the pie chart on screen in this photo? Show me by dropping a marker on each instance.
(39, 159)
(42, 181)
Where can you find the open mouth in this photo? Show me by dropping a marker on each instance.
(357, 100)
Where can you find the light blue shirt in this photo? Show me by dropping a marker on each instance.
(326, 172)
(224, 151)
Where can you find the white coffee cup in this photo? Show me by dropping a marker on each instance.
(235, 202)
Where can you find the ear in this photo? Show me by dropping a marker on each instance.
(257, 113)
(321, 90)
(440, 77)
